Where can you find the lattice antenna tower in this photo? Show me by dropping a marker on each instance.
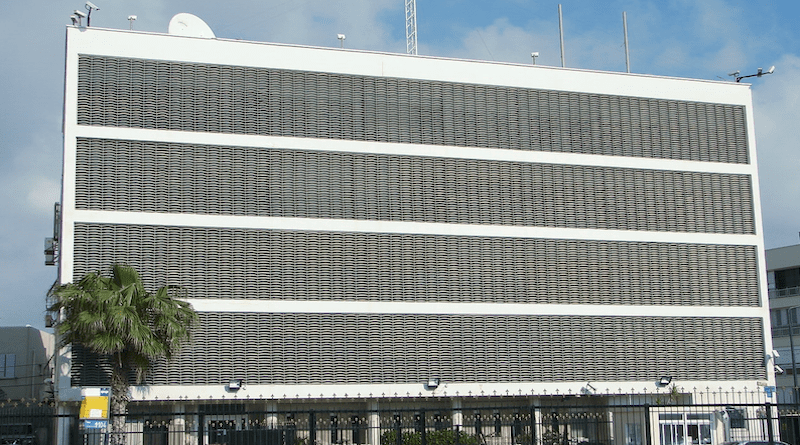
(411, 27)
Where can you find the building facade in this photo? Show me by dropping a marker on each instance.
(783, 278)
(370, 228)
(26, 367)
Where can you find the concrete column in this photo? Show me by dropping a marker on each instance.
(63, 426)
(192, 436)
(458, 415)
(373, 424)
(272, 415)
(177, 428)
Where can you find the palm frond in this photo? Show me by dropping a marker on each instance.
(115, 315)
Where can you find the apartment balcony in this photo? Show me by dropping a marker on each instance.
(784, 293)
(783, 331)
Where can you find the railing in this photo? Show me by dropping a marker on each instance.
(783, 293)
(783, 331)
(546, 420)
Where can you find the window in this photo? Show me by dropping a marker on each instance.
(7, 366)
(633, 434)
(777, 317)
(785, 279)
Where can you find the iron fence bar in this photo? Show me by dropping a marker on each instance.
(577, 421)
(312, 428)
(398, 428)
(424, 438)
(770, 434)
(533, 424)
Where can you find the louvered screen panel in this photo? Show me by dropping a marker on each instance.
(275, 264)
(164, 177)
(298, 349)
(230, 99)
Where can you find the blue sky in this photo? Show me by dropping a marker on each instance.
(695, 39)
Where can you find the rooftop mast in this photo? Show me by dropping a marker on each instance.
(411, 27)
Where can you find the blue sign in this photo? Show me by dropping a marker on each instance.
(105, 392)
(769, 390)
(95, 424)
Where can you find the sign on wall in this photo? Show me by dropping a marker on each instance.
(94, 407)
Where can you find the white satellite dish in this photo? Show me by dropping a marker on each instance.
(190, 25)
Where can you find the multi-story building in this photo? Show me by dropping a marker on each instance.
(370, 229)
(26, 367)
(783, 278)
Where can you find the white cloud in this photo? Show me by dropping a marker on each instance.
(777, 105)
(42, 193)
(504, 42)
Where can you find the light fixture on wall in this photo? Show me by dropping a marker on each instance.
(433, 383)
(235, 385)
(664, 380)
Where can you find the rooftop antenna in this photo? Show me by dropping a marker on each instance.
(90, 7)
(627, 51)
(411, 27)
(760, 73)
(534, 55)
(341, 38)
(131, 19)
(561, 35)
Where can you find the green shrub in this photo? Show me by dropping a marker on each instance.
(442, 437)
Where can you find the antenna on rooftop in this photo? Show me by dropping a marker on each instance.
(411, 27)
(561, 35)
(627, 51)
(760, 73)
(131, 19)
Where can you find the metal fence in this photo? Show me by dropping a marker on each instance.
(542, 420)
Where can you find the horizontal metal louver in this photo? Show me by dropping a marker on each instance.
(301, 349)
(134, 93)
(275, 264)
(140, 176)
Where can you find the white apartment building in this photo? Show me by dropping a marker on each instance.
(783, 278)
(26, 367)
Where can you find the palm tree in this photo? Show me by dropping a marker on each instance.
(117, 318)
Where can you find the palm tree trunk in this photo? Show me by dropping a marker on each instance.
(119, 403)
